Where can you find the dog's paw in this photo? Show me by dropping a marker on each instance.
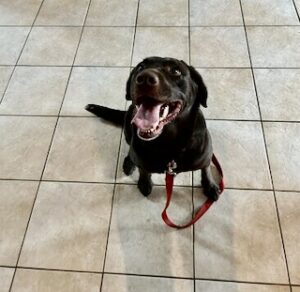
(90, 107)
(128, 166)
(145, 186)
(212, 191)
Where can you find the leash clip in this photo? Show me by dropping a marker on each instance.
(170, 168)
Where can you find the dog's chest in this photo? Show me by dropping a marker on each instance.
(156, 159)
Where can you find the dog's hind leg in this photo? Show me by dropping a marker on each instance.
(145, 182)
(128, 166)
(210, 187)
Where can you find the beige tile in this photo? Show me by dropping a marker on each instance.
(18, 12)
(48, 281)
(161, 41)
(182, 179)
(269, 12)
(104, 86)
(297, 5)
(278, 92)
(283, 143)
(219, 47)
(5, 73)
(231, 94)
(12, 40)
(67, 12)
(296, 289)
(24, 143)
(83, 149)
(16, 201)
(216, 12)
(140, 242)
(35, 90)
(239, 239)
(112, 283)
(111, 13)
(240, 149)
(289, 218)
(274, 46)
(51, 46)
(237, 287)
(68, 227)
(105, 46)
(5, 279)
(168, 12)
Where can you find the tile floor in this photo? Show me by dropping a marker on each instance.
(69, 218)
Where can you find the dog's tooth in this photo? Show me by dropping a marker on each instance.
(165, 112)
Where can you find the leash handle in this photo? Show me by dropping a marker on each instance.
(202, 210)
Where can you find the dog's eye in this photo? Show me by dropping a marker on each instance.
(139, 67)
(175, 72)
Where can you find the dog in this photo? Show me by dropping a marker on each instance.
(164, 122)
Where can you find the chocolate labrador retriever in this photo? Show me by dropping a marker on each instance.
(164, 122)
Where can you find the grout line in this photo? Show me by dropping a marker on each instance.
(146, 275)
(67, 66)
(193, 233)
(189, 32)
(110, 217)
(112, 206)
(118, 156)
(296, 9)
(15, 65)
(261, 120)
(135, 183)
(89, 182)
(243, 282)
(94, 117)
(193, 192)
(266, 151)
(108, 230)
(253, 67)
(8, 81)
(134, 34)
(131, 67)
(155, 26)
(57, 270)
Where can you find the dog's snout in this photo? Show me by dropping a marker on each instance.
(148, 78)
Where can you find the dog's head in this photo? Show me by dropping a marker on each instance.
(162, 90)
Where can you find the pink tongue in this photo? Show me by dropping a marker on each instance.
(147, 117)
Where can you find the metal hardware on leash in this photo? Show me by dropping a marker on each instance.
(171, 166)
(170, 174)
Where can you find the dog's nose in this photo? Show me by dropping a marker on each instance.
(147, 77)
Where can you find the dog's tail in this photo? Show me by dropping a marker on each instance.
(116, 117)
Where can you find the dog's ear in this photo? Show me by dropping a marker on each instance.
(128, 84)
(201, 94)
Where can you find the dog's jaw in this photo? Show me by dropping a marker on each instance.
(151, 120)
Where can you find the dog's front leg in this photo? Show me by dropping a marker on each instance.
(145, 182)
(128, 165)
(210, 187)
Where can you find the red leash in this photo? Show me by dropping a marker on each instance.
(169, 189)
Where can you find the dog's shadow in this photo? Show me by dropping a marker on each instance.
(141, 244)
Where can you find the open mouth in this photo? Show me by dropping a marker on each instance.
(150, 120)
